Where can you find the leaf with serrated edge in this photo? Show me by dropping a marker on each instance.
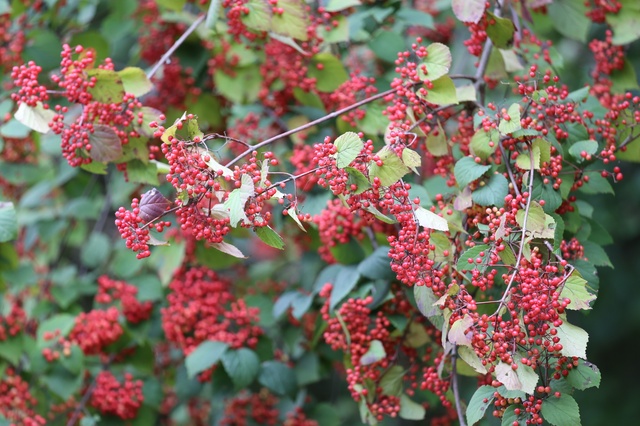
(430, 220)
(470, 356)
(437, 62)
(293, 214)
(584, 376)
(477, 405)
(483, 144)
(214, 165)
(442, 92)
(575, 289)
(509, 126)
(411, 159)
(392, 169)
(105, 144)
(467, 170)
(573, 340)
(563, 411)
(135, 81)
(348, 147)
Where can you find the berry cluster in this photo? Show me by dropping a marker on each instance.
(121, 399)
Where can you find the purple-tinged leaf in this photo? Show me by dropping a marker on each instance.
(105, 144)
(153, 205)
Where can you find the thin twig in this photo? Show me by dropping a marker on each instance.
(315, 122)
(454, 384)
(175, 46)
(524, 233)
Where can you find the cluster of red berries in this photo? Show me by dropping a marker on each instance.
(121, 399)
(17, 404)
(95, 330)
(202, 307)
(111, 291)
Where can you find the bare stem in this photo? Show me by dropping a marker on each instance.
(454, 384)
(524, 233)
(314, 122)
(175, 46)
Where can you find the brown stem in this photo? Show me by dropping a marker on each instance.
(524, 234)
(315, 122)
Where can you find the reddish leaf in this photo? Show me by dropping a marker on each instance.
(105, 144)
(153, 205)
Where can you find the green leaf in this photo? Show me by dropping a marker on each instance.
(586, 375)
(374, 354)
(437, 62)
(596, 255)
(570, 19)
(425, 301)
(205, 356)
(212, 14)
(36, 118)
(625, 23)
(561, 411)
(589, 147)
(242, 87)
(259, 16)
(513, 123)
(411, 159)
(469, 356)
(483, 144)
(108, 87)
(338, 5)
(410, 410)
(328, 71)
(377, 265)
(391, 381)
(63, 383)
(135, 81)
(348, 147)
(357, 178)
(392, 169)
(278, 377)
(573, 340)
(345, 281)
(60, 322)
(501, 32)
(443, 92)
(536, 221)
(492, 193)
(293, 22)
(106, 145)
(575, 289)
(96, 250)
(467, 170)
(437, 143)
(429, 220)
(8, 222)
(242, 366)
(544, 191)
(386, 45)
(509, 417)
(11, 349)
(472, 254)
(624, 79)
(237, 199)
(269, 236)
(525, 159)
(477, 406)
(597, 184)
(139, 172)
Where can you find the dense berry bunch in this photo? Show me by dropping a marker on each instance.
(121, 399)
(95, 330)
(202, 307)
(17, 404)
(111, 291)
